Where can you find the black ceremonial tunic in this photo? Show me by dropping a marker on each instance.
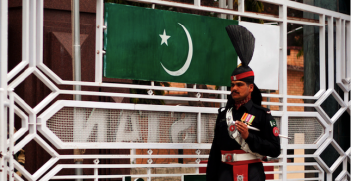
(263, 142)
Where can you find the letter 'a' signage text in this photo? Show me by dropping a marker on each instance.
(148, 44)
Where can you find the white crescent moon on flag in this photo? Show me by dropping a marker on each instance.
(185, 67)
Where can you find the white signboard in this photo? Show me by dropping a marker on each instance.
(265, 60)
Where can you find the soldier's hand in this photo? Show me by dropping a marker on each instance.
(242, 128)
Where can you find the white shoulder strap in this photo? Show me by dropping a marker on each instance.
(234, 134)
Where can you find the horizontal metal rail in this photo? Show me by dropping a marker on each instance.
(116, 176)
(128, 156)
(159, 97)
(290, 4)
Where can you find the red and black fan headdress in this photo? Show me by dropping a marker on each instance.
(244, 44)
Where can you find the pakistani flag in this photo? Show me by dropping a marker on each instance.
(156, 45)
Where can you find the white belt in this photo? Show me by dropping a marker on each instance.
(233, 157)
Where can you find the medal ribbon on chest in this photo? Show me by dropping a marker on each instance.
(247, 118)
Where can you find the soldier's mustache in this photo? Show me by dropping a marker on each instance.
(235, 92)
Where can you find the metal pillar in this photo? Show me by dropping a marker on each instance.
(76, 46)
(76, 66)
(283, 85)
(3, 87)
(222, 4)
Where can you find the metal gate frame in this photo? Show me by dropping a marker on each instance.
(32, 63)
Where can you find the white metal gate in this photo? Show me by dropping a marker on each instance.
(157, 127)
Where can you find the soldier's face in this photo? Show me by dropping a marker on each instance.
(240, 90)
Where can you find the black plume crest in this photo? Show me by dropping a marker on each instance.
(243, 41)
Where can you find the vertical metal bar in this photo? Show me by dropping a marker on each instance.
(322, 79)
(3, 122)
(132, 152)
(345, 162)
(330, 53)
(348, 59)
(230, 6)
(197, 2)
(11, 132)
(338, 50)
(199, 127)
(76, 63)
(284, 84)
(343, 48)
(347, 50)
(25, 30)
(241, 7)
(96, 170)
(223, 96)
(96, 174)
(3, 85)
(149, 162)
(222, 4)
(99, 39)
(346, 101)
(329, 176)
(39, 27)
(268, 99)
(76, 46)
(149, 174)
(32, 33)
(330, 69)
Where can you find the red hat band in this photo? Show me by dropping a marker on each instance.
(242, 75)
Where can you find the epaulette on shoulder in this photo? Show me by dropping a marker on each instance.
(266, 110)
(221, 109)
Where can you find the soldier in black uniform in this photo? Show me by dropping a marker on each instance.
(236, 150)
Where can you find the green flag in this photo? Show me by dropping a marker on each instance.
(156, 45)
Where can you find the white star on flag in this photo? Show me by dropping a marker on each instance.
(164, 37)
